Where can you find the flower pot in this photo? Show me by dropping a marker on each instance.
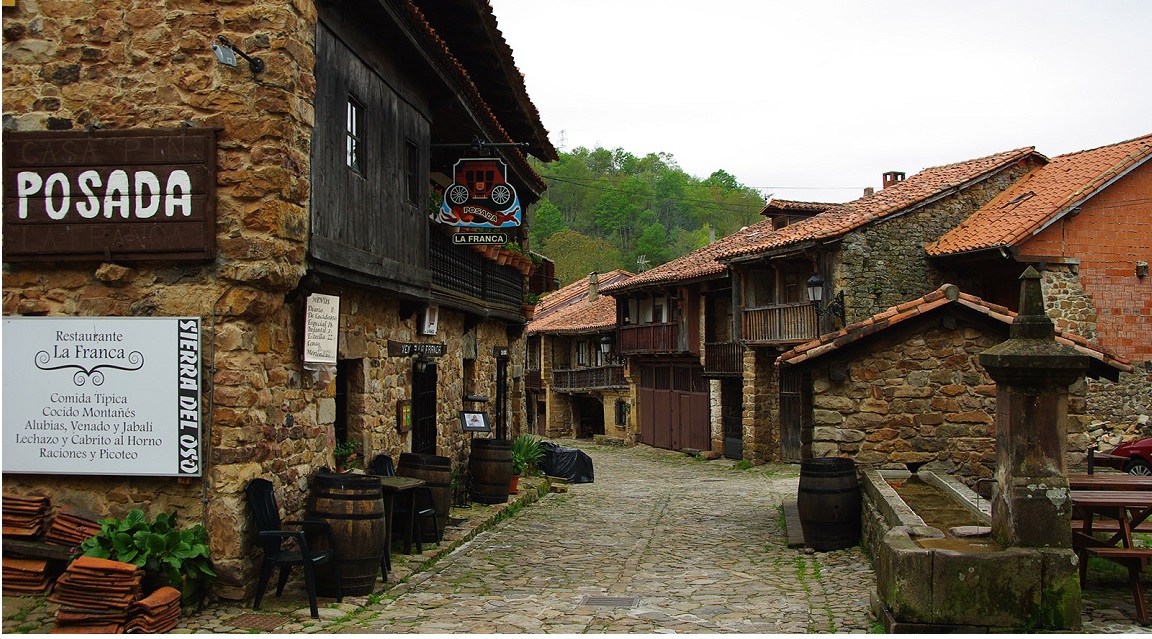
(512, 486)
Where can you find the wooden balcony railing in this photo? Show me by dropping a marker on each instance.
(533, 380)
(722, 359)
(594, 377)
(781, 323)
(649, 338)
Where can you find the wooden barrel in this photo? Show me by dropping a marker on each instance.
(436, 471)
(354, 506)
(490, 465)
(828, 502)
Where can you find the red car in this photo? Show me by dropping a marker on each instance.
(1139, 454)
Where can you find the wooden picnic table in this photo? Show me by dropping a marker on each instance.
(1109, 481)
(1129, 509)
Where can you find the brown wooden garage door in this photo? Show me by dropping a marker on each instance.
(674, 407)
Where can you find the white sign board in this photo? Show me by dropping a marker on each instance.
(321, 325)
(102, 396)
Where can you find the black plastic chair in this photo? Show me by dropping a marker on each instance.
(421, 500)
(262, 502)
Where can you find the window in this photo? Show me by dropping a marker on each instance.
(412, 171)
(354, 134)
(621, 412)
(581, 353)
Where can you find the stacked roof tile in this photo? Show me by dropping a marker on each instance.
(833, 222)
(917, 189)
(568, 310)
(1044, 195)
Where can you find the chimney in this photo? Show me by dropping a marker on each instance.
(593, 286)
(869, 191)
(892, 177)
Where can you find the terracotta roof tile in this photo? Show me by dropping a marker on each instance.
(700, 263)
(946, 294)
(1044, 195)
(843, 218)
(777, 206)
(568, 310)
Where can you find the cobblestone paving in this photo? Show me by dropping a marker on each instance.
(667, 543)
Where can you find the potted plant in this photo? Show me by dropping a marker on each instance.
(347, 455)
(177, 558)
(526, 453)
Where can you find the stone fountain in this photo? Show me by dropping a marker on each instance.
(1031, 580)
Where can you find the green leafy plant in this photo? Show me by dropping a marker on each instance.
(347, 454)
(526, 453)
(179, 557)
(531, 298)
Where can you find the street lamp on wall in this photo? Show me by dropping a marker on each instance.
(835, 306)
(606, 345)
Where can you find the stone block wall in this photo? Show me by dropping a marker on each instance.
(884, 264)
(761, 406)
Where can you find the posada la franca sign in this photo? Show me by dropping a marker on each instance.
(108, 194)
(480, 196)
(102, 396)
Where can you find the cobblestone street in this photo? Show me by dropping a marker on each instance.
(659, 543)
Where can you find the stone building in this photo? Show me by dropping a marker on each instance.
(323, 135)
(1086, 217)
(582, 387)
(904, 388)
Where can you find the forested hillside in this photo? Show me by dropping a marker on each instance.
(607, 209)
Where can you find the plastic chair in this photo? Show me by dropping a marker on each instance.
(272, 533)
(421, 500)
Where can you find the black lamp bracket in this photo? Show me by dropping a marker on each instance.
(255, 65)
(835, 307)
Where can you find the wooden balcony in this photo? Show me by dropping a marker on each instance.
(589, 378)
(723, 359)
(533, 380)
(649, 338)
(795, 322)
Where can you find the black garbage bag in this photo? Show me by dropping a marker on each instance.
(571, 463)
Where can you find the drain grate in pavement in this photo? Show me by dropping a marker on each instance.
(610, 602)
(254, 621)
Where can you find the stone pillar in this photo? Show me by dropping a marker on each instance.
(1031, 506)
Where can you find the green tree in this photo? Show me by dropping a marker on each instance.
(576, 255)
(547, 221)
(653, 243)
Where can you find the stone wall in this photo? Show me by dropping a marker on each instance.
(761, 406)
(919, 399)
(123, 64)
(884, 264)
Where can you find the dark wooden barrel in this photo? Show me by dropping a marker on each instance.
(828, 502)
(354, 506)
(490, 465)
(436, 471)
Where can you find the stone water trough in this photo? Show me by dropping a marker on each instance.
(959, 580)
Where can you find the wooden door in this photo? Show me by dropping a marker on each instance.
(424, 409)
(791, 407)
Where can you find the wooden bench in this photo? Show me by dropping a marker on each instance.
(1110, 526)
(1136, 561)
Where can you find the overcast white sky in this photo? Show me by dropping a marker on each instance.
(829, 94)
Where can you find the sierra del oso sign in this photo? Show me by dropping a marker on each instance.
(128, 194)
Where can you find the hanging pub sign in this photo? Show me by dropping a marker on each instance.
(131, 194)
(480, 196)
(102, 396)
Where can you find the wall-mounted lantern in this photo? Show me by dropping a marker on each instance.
(606, 345)
(835, 307)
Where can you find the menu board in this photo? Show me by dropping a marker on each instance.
(102, 396)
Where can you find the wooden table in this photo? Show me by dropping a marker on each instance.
(1109, 481)
(1128, 509)
(393, 487)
